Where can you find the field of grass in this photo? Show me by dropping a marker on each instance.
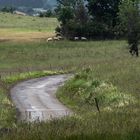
(16, 27)
(104, 70)
(110, 63)
(109, 59)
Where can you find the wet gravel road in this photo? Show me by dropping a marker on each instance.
(36, 100)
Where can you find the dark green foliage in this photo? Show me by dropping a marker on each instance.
(104, 11)
(82, 90)
(91, 20)
(65, 15)
(49, 13)
(73, 17)
(79, 25)
(70, 3)
(8, 9)
(130, 19)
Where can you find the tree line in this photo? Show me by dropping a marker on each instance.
(99, 19)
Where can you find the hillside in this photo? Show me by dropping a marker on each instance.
(25, 27)
(28, 3)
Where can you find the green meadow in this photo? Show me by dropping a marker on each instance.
(103, 70)
(25, 28)
(19, 23)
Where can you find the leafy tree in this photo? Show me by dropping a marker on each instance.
(48, 13)
(65, 14)
(73, 17)
(70, 3)
(104, 11)
(94, 19)
(81, 13)
(130, 20)
(8, 9)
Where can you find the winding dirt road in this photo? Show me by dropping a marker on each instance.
(36, 100)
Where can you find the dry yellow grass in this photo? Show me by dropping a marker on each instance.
(26, 28)
(7, 35)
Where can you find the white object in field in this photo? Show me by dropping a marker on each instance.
(83, 38)
(76, 38)
(49, 39)
(56, 38)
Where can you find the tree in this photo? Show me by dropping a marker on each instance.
(65, 14)
(104, 16)
(70, 3)
(73, 16)
(8, 9)
(130, 19)
(81, 13)
(48, 13)
(104, 11)
(96, 19)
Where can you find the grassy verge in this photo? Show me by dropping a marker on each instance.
(7, 111)
(84, 93)
(119, 111)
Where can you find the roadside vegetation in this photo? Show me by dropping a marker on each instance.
(85, 93)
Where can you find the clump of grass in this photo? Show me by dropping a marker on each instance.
(83, 89)
(7, 111)
(29, 75)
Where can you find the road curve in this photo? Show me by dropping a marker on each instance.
(36, 100)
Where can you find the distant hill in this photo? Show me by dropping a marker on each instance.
(28, 3)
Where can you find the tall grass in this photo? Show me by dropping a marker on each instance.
(84, 93)
(111, 64)
(109, 59)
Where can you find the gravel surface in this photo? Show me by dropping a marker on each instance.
(35, 99)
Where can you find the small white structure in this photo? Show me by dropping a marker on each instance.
(19, 13)
(83, 38)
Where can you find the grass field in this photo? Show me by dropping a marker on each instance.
(104, 69)
(109, 59)
(110, 63)
(25, 28)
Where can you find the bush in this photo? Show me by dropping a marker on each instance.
(82, 91)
